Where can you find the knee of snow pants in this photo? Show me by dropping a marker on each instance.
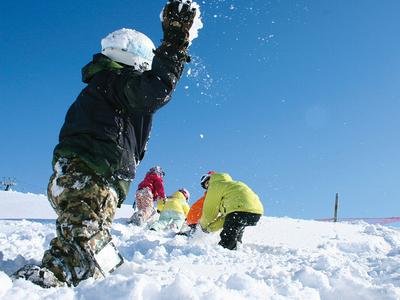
(85, 205)
(234, 226)
(144, 203)
(169, 220)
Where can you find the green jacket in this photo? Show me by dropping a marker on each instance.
(225, 196)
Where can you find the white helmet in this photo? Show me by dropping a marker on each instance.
(129, 47)
(205, 178)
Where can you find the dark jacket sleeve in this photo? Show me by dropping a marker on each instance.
(152, 89)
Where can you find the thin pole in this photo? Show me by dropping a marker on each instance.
(336, 207)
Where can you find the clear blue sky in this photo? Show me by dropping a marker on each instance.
(299, 99)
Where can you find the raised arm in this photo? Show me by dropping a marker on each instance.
(152, 89)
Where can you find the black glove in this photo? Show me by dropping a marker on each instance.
(178, 16)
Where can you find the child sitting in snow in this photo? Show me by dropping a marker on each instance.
(149, 190)
(173, 211)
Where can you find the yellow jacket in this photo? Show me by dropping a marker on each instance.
(177, 202)
(225, 196)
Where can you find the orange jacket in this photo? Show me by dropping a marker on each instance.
(195, 211)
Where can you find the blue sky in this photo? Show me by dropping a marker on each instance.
(299, 99)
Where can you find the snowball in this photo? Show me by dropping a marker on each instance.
(197, 24)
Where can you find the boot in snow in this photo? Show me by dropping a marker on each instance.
(137, 218)
(38, 275)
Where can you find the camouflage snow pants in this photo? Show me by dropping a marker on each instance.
(85, 206)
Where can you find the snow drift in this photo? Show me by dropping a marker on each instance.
(281, 258)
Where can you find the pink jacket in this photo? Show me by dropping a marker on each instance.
(155, 183)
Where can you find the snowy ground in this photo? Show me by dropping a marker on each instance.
(281, 258)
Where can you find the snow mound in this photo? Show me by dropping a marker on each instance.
(280, 258)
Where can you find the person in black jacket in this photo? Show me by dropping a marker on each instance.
(103, 140)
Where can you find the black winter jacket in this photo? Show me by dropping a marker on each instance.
(109, 124)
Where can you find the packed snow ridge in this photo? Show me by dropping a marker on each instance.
(280, 258)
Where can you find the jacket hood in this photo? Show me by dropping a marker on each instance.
(220, 177)
(99, 63)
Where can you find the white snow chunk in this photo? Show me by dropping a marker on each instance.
(197, 24)
(5, 284)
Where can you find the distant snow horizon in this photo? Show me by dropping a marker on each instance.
(43, 210)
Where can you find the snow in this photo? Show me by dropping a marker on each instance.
(197, 24)
(130, 40)
(281, 258)
(56, 190)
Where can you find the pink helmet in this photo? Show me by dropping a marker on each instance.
(185, 193)
(157, 170)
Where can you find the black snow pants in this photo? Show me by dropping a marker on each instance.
(233, 229)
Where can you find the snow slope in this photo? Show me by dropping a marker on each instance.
(281, 258)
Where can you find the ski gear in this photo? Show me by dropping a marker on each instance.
(169, 220)
(177, 19)
(149, 190)
(109, 124)
(187, 230)
(153, 181)
(205, 178)
(38, 275)
(157, 170)
(195, 211)
(185, 193)
(136, 218)
(145, 208)
(104, 252)
(85, 205)
(234, 226)
(129, 47)
(173, 211)
(177, 202)
(225, 196)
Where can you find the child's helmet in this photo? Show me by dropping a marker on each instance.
(185, 193)
(205, 178)
(157, 170)
(129, 47)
